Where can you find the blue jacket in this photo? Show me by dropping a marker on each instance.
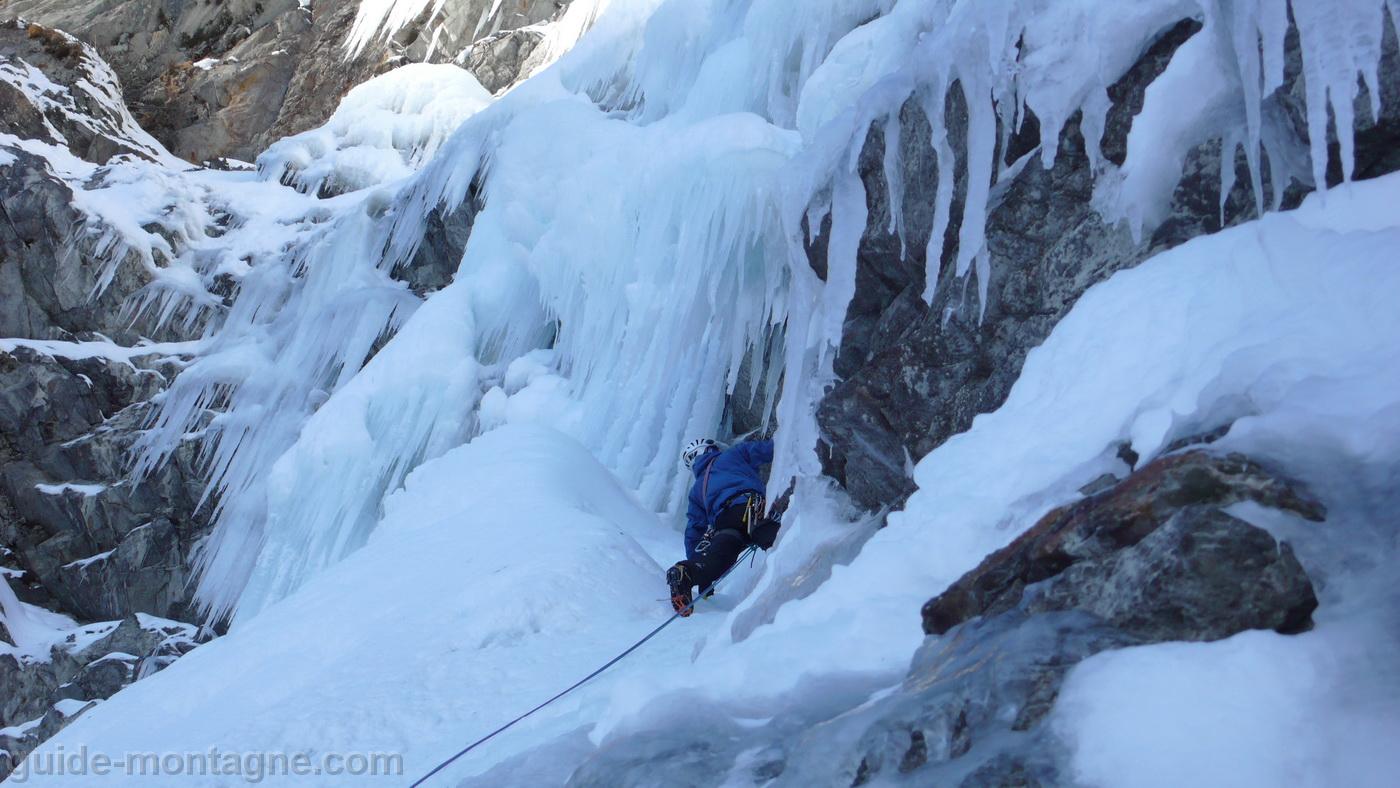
(719, 476)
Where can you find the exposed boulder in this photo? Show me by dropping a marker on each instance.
(1154, 559)
(1148, 547)
(501, 59)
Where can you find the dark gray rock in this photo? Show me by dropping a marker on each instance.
(67, 425)
(435, 261)
(1128, 543)
(28, 689)
(1153, 560)
(111, 546)
(912, 374)
(101, 679)
(48, 269)
(500, 60)
(49, 266)
(77, 535)
(757, 388)
(1202, 575)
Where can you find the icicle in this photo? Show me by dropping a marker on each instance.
(934, 101)
(1340, 40)
(849, 215)
(1091, 126)
(894, 179)
(381, 19)
(1244, 31)
(981, 153)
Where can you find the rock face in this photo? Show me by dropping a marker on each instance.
(224, 80)
(84, 538)
(89, 541)
(910, 374)
(84, 113)
(47, 267)
(78, 537)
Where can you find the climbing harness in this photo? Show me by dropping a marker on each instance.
(684, 611)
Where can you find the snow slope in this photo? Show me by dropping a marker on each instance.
(504, 562)
(509, 566)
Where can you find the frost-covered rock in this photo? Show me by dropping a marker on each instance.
(58, 90)
(87, 225)
(64, 670)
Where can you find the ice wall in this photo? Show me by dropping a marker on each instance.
(641, 207)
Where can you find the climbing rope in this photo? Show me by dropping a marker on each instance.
(679, 613)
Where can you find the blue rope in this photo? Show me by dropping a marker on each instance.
(678, 614)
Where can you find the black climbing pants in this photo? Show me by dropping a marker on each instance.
(739, 525)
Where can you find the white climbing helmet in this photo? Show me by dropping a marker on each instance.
(697, 449)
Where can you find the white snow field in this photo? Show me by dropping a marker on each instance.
(421, 540)
(512, 565)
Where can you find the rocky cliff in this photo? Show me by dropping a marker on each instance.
(225, 80)
(81, 537)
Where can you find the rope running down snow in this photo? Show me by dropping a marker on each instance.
(683, 611)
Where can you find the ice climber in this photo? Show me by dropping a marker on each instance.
(726, 513)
